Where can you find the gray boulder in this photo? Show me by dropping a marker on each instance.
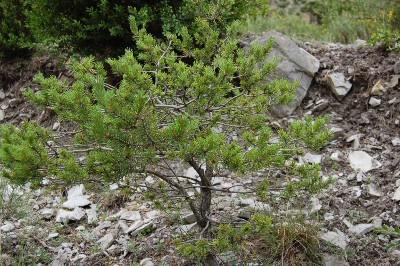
(295, 64)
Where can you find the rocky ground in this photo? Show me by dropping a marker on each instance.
(97, 225)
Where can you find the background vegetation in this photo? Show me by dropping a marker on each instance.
(333, 20)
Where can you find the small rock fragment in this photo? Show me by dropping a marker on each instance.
(77, 214)
(335, 156)
(47, 213)
(134, 226)
(52, 235)
(92, 214)
(396, 142)
(374, 102)
(130, 216)
(146, 262)
(56, 126)
(373, 191)
(184, 229)
(62, 216)
(142, 228)
(7, 227)
(378, 89)
(361, 229)
(189, 218)
(335, 239)
(106, 241)
(393, 81)
(360, 160)
(79, 201)
(337, 132)
(339, 85)
(396, 195)
(312, 158)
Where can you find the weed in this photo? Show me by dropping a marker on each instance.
(393, 232)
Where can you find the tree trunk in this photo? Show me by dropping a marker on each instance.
(204, 201)
(205, 198)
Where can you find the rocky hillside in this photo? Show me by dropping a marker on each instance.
(98, 225)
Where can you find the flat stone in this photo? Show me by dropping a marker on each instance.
(335, 156)
(1, 115)
(131, 216)
(133, 227)
(339, 85)
(360, 160)
(113, 187)
(393, 81)
(337, 132)
(396, 195)
(80, 228)
(62, 216)
(321, 106)
(76, 191)
(189, 218)
(373, 191)
(7, 227)
(312, 158)
(52, 235)
(153, 214)
(146, 262)
(78, 201)
(106, 241)
(184, 229)
(361, 229)
(47, 213)
(92, 214)
(354, 137)
(374, 102)
(244, 214)
(335, 239)
(396, 142)
(142, 228)
(77, 214)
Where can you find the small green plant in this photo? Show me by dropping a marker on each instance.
(389, 37)
(391, 231)
(197, 251)
(94, 249)
(12, 204)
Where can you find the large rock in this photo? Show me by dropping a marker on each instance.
(295, 64)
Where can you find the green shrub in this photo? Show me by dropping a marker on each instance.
(172, 100)
(103, 26)
(14, 36)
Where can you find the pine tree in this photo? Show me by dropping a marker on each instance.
(178, 100)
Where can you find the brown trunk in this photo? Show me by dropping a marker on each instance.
(204, 202)
(205, 198)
